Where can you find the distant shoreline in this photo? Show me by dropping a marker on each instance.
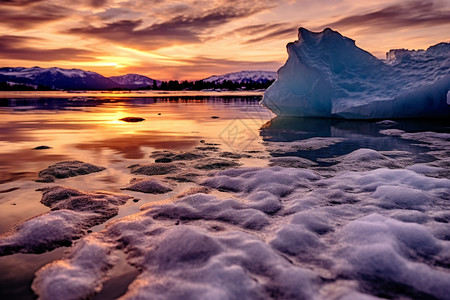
(122, 94)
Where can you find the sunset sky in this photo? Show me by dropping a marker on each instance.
(193, 39)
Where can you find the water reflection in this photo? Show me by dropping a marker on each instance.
(88, 128)
(357, 134)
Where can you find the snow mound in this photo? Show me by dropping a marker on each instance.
(310, 144)
(291, 162)
(277, 181)
(151, 186)
(363, 159)
(327, 75)
(72, 213)
(44, 232)
(67, 169)
(168, 156)
(154, 169)
(380, 251)
(103, 203)
(207, 207)
(81, 278)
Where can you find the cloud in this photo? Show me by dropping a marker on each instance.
(19, 2)
(29, 16)
(201, 67)
(284, 31)
(17, 48)
(181, 29)
(98, 3)
(408, 14)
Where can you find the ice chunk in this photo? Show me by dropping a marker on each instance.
(327, 75)
(45, 232)
(154, 169)
(80, 278)
(105, 204)
(67, 169)
(144, 185)
(73, 212)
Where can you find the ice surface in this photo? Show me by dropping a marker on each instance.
(282, 233)
(327, 75)
(67, 169)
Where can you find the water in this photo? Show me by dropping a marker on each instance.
(88, 128)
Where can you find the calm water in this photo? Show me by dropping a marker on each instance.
(88, 128)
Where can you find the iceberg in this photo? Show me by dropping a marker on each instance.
(327, 75)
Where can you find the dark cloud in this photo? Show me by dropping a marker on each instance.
(19, 2)
(30, 16)
(257, 29)
(408, 14)
(277, 34)
(181, 29)
(98, 3)
(18, 47)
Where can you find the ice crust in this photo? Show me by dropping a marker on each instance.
(284, 233)
(327, 75)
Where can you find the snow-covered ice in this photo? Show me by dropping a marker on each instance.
(366, 222)
(285, 233)
(327, 75)
(73, 212)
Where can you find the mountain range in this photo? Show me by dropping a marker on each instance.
(77, 79)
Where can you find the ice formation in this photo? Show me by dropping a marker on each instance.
(327, 75)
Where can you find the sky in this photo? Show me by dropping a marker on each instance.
(194, 39)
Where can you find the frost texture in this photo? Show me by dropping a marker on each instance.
(326, 75)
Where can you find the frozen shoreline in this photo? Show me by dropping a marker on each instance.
(310, 208)
(359, 228)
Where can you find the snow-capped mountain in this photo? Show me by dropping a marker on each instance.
(133, 81)
(244, 77)
(57, 78)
